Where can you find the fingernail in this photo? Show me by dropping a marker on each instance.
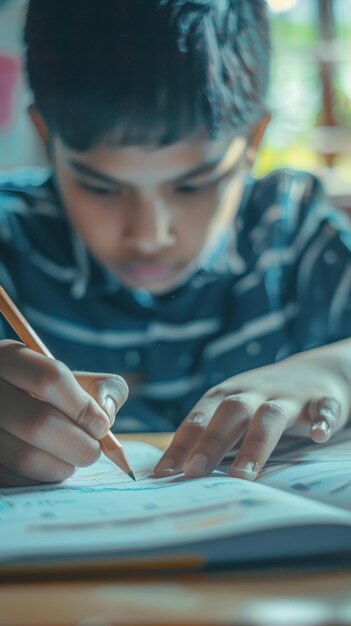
(321, 431)
(166, 466)
(99, 427)
(246, 469)
(197, 464)
(111, 408)
(162, 473)
(321, 425)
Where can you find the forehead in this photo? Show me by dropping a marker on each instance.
(143, 164)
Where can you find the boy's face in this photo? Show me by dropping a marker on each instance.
(147, 214)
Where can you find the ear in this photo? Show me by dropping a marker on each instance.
(256, 135)
(40, 126)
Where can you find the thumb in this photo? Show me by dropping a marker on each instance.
(109, 390)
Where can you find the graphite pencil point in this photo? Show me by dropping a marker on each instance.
(131, 474)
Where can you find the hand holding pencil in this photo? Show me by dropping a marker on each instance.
(51, 421)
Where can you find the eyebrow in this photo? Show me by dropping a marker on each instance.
(86, 170)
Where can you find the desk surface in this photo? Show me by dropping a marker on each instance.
(246, 598)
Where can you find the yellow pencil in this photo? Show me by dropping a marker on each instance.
(110, 445)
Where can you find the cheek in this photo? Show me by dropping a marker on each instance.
(211, 212)
(93, 221)
(194, 221)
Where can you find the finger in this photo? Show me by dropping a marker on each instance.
(188, 434)
(267, 426)
(53, 382)
(24, 460)
(9, 479)
(37, 423)
(109, 390)
(222, 433)
(325, 414)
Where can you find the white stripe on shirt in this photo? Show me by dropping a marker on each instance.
(273, 256)
(156, 331)
(251, 330)
(284, 255)
(170, 388)
(341, 296)
(310, 258)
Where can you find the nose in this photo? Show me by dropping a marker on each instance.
(148, 225)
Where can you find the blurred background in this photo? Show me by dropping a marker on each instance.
(310, 94)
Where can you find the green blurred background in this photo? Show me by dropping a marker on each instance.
(310, 94)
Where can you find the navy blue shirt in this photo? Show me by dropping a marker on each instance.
(278, 283)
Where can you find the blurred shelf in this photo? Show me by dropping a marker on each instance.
(338, 189)
(327, 140)
(320, 52)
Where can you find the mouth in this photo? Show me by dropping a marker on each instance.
(143, 273)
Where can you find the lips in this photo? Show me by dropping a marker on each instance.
(149, 271)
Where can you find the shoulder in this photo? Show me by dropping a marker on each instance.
(27, 192)
(31, 217)
(284, 205)
(283, 194)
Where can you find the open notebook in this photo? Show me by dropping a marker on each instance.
(300, 506)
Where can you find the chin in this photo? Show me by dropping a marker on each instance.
(156, 288)
(160, 286)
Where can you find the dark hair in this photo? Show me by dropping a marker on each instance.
(148, 71)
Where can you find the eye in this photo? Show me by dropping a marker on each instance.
(194, 189)
(188, 189)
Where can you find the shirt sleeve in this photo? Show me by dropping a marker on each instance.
(319, 283)
(7, 262)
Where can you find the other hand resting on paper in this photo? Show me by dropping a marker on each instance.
(306, 395)
(51, 419)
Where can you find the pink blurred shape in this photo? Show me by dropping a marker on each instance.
(10, 71)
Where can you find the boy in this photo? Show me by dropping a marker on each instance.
(150, 251)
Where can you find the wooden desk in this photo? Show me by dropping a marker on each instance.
(245, 598)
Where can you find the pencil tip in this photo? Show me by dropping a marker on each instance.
(131, 474)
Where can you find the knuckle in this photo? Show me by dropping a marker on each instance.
(269, 412)
(86, 413)
(197, 419)
(213, 440)
(214, 392)
(236, 403)
(28, 462)
(8, 344)
(56, 371)
(267, 419)
(88, 455)
(49, 374)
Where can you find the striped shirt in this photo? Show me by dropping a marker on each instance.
(277, 284)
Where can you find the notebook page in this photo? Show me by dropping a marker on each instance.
(101, 510)
(316, 471)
